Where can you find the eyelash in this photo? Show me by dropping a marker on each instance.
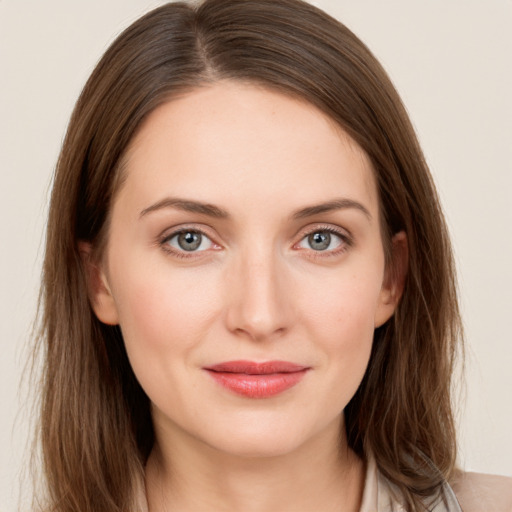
(346, 242)
(164, 242)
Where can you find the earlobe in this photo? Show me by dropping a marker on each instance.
(98, 289)
(394, 279)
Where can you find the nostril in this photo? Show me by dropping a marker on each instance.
(261, 333)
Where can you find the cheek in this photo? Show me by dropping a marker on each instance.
(341, 320)
(345, 308)
(163, 317)
(162, 313)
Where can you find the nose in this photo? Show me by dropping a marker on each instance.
(259, 297)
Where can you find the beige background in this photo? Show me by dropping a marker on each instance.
(452, 62)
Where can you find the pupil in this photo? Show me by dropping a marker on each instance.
(319, 241)
(189, 241)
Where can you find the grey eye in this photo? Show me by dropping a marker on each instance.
(190, 241)
(320, 240)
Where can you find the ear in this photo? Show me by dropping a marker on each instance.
(394, 279)
(100, 296)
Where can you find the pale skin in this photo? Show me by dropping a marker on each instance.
(288, 265)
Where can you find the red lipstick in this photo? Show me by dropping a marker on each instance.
(257, 380)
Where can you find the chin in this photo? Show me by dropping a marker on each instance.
(263, 446)
(263, 437)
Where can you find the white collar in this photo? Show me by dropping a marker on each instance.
(380, 495)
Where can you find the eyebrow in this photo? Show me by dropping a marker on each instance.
(188, 206)
(329, 206)
(211, 210)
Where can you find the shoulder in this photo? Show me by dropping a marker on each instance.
(477, 492)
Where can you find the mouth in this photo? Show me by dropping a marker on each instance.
(257, 380)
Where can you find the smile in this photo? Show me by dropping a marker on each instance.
(257, 380)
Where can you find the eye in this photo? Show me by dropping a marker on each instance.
(322, 240)
(189, 241)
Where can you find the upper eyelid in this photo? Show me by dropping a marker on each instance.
(176, 230)
(173, 234)
(331, 228)
(301, 232)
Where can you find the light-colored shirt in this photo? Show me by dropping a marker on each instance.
(470, 492)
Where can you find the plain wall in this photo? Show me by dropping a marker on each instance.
(451, 62)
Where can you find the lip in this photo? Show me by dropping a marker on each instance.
(257, 380)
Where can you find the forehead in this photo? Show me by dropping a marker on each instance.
(231, 139)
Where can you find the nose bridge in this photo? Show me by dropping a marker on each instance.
(258, 303)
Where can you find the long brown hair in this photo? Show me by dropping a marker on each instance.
(95, 426)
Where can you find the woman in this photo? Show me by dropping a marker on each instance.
(248, 296)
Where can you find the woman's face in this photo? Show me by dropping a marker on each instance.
(246, 232)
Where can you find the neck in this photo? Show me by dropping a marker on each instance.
(183, 474)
